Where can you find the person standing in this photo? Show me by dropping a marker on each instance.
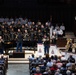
(1, 45)
(19, 39)
(54, 38)
(62, 27)
(46, 42)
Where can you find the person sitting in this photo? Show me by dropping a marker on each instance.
(54, 67)
(38, 71)
(68, 72)
(59, 64)
(69, 64)
(71, 59)
(49, 63)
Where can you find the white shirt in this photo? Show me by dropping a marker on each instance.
(60, 32)
(55, 31)
(62, 27)
(63, 58)
(49, 64)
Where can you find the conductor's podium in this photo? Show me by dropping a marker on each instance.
(17, 55)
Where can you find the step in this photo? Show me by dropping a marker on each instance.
(18, 62)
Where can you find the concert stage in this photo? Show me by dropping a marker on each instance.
(23, 57)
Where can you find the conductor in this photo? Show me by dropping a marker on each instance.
(19, 40)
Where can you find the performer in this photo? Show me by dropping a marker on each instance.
(1, 45)
(62, 27)
(12, 35)
(46, 42)
(70, 45)
(6, 36)
(19, 39)
(54, 38)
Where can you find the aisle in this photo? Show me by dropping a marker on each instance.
(18, 69)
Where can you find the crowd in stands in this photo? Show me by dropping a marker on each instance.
(52, 65)
(3, 65)
(31, 31)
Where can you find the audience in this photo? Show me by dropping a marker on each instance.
(48, 67)
(3, 64)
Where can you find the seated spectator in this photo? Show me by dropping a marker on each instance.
(68, 72)
(69, 64)
(63, 58)
(63, 68)
(49, 63)
(59, 64)
(73, 68)
(46, 71)
(55, 57)
(43, 67)
(54, 67)
(31, 57)
(38, 71)
(58, 72)
(46, 58)
(71, 59)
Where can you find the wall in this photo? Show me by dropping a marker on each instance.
(39, 9)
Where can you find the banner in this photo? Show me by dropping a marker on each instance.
(40, 50)
(54, 51)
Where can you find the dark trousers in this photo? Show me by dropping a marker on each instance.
(46, 49)
(1, 51)
(70, 50)
(19, 45)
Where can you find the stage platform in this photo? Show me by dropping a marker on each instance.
(28, 53)
(21, 60)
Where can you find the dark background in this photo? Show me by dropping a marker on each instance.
(60, 10)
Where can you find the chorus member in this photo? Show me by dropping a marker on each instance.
(59, 32)
(54, 38)
(62, 27)
(12, 35)
(57, 26)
